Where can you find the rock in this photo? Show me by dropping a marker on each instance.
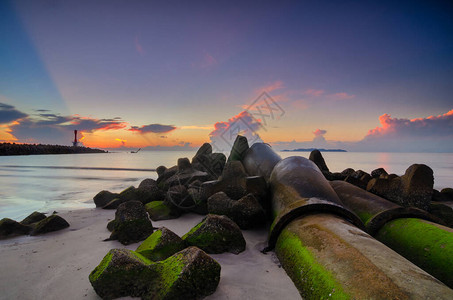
(245, 212)
(147, 183)
(113, 204)
(376, 173)
(160, 245)
(216, 234)
(200, 204)
(111, 225)
(49, 224)
(413, 189)
(158, 211)
(347, 172)
(417, 186)
(160, 170)
(448, 193)
(33, 218)
(131, 223)
(236, 184)
(178, 197)
(185, 178)
(356, 181)
(188, 274)
(10, 228)
(206, 161)
(238, 150)
(438, 196)
(148, 191)
(335, 176)
(443, 210)
(316, 157)
(128, 194)
(165, 175)
(103, 198)
(184, 165)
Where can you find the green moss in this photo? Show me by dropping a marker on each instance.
(428, 245)
(169, 271)
(311, 279)
(94, 275)
(191, 231)
(151, 242)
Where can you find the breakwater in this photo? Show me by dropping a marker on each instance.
(34, 149)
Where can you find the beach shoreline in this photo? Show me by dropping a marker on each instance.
(56, 265)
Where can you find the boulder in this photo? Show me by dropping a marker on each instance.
(33, 218)
(160, 170)
(417, 186)
(447, 193)
(158, 211)
(148, 191)
(113, 204)
(216, 234)
(167, 173)
(103, 198)
(246, 212)
(438, 196)
(160, 245)
(10, 228)
(376, 173)
(179, 198)
(347, 172)
(147, 183)
(206, 161)
(188, 274)
(239, 148)
(49, 224)
(316, 157)
(443, 210)
(131, 223)
(413, 189)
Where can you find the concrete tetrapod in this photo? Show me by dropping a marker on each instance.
(405, 230)
(323, 253)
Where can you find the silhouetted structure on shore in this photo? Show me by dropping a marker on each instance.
(33, 149)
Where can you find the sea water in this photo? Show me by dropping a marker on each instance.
(63, 182)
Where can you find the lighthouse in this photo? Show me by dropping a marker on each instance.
(75, 143)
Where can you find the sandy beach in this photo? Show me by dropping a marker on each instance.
(56, 265)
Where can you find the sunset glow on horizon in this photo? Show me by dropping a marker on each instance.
(361, 76)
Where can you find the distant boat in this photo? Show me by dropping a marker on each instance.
(136, 151)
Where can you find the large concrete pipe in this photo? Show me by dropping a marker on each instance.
(408, 231)
(299, 188)
(325, 255)
(375, 211)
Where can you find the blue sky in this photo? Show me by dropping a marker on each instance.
(337, 66)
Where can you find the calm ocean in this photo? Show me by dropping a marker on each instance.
(60, 182)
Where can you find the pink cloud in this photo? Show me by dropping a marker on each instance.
(340, 96)
(270, 87)
(313, 92)
(138, 46)
(441, 125)
(319, 132)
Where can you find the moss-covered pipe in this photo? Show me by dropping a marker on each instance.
(428, 245)
(260, 160)
(373, 210)
(299, 188)
(327, 257)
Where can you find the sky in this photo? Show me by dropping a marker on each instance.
(356, 75)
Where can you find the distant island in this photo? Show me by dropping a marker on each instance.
(34, 149)
(311, 149)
